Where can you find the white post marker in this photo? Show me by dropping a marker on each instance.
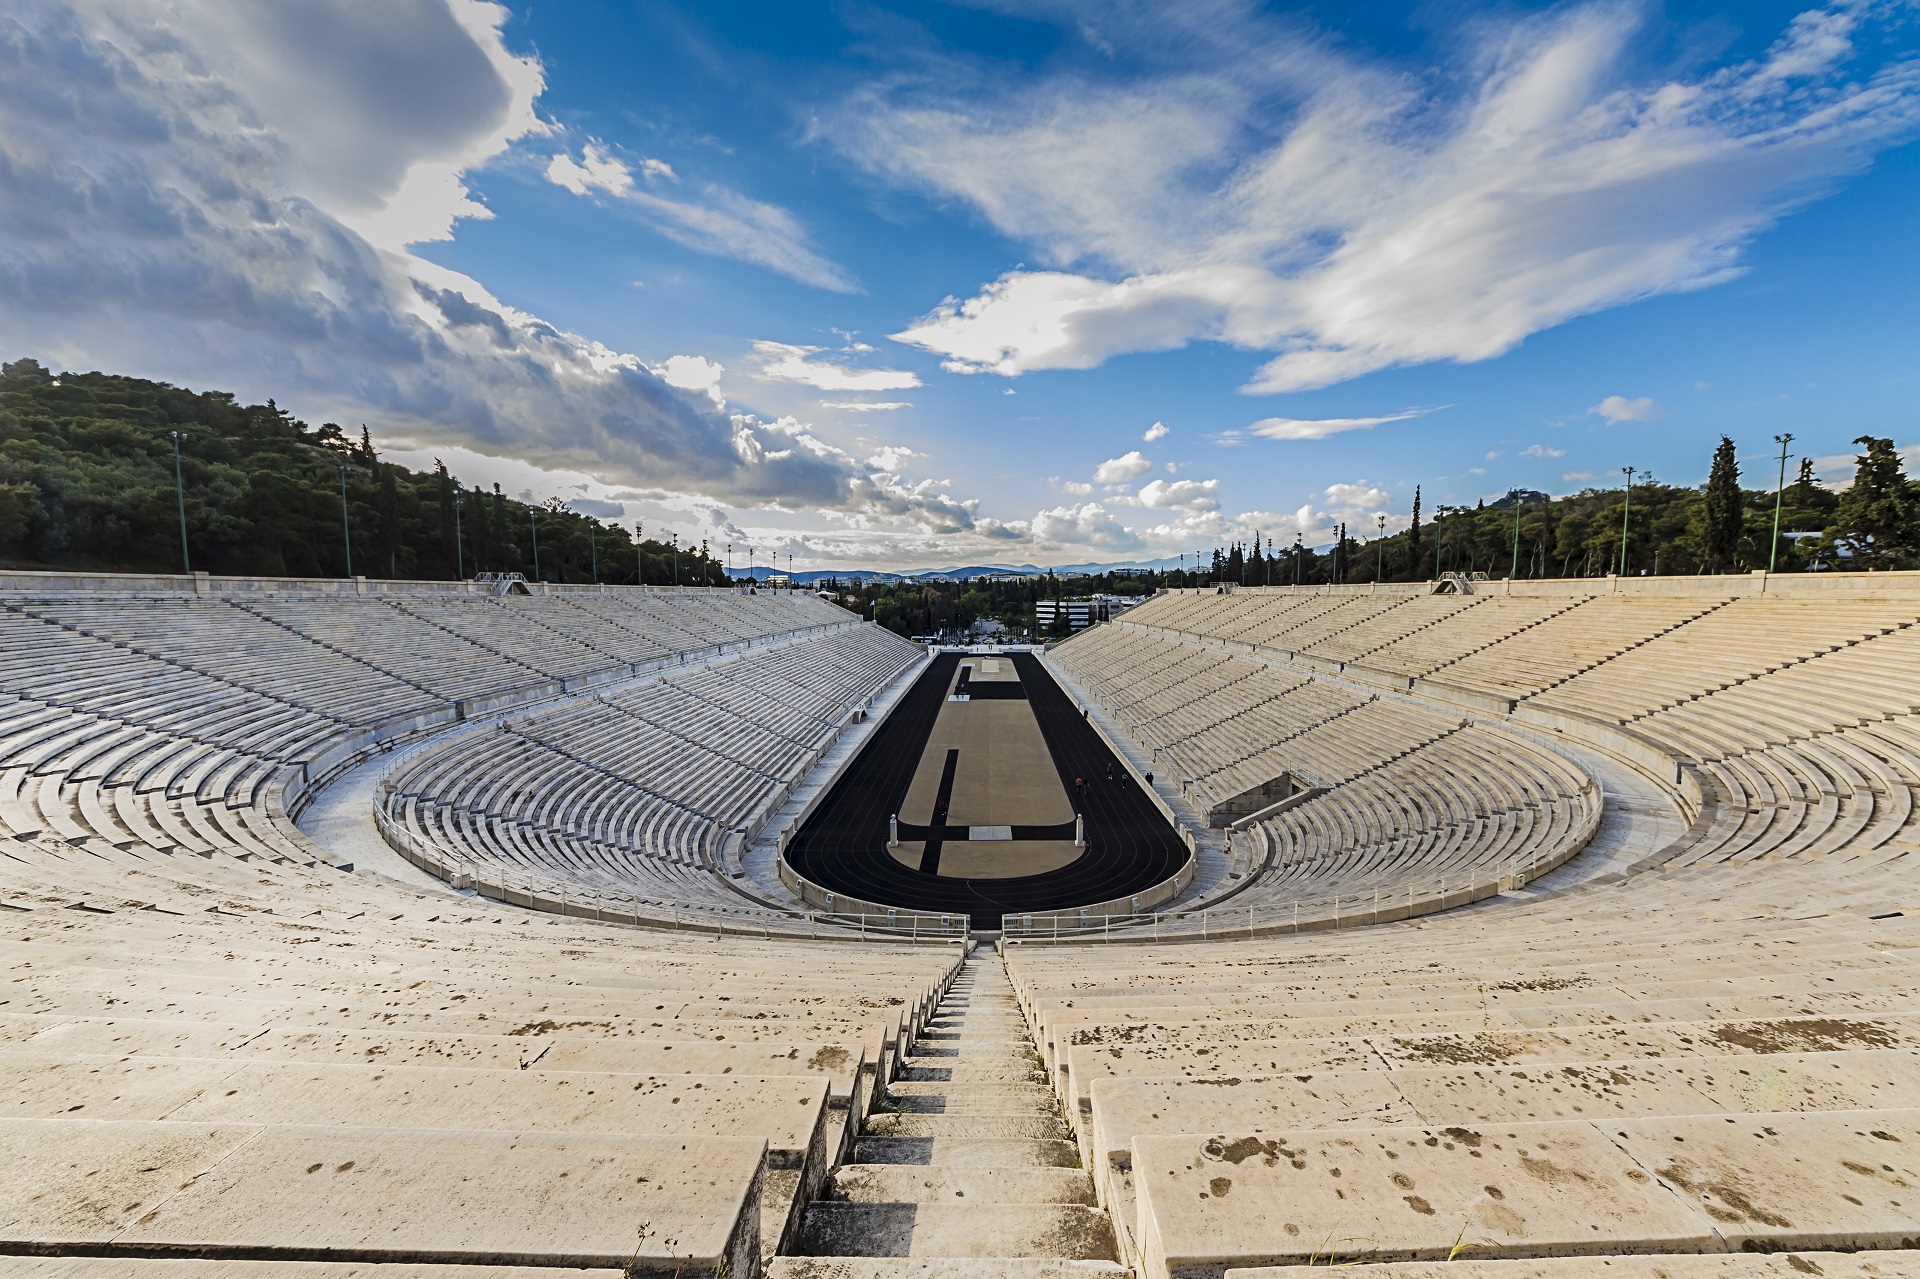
(1079, 830)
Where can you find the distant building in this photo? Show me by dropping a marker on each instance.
(1081, 614)
(986, 628)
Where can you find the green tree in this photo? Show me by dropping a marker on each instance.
(1875, 519)
(1723, 511)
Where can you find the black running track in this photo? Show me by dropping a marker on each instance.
(843, 844)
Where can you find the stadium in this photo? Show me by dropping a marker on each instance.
(462, 930)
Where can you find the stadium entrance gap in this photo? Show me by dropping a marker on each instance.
(992, 773)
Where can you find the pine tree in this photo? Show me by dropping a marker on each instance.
(1415, 564)
(1876, 518)
(1723, 510)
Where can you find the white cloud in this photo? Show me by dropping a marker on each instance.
(1089, 524)
(784, 362)
(891, 457)
(1120, 470)
(594, 171)
(1190, 495)
(1578, 477)
(1347, 498)
(1075, 487)
(713, 219)
(1251, 186)
(692, 373)
(373, 113)
(1289, 428)
(866, 406)
(1492, 454)
(1158, 431)
(1541, 450)
(1618, 408)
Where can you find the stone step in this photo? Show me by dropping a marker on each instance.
(968, 1152)
(901, 1183)
(1072, 1231)
(937, 1268)
(957, 1125)
(968, 1050)
(935, 1098)
(1022, 1070)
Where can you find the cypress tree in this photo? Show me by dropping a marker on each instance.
(1415, 565)
(1723, 510)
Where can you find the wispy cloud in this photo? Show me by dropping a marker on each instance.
(710, 218)
(1292, 428)
(866, 406)
(785, 362)
(1541, 450)
(1249, 185)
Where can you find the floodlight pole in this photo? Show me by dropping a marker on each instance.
(180, 493)
(593, 549)
(346, 529)
(1514, 571)
(1773, 552)
(533, 522)
(459, 550)
(1380, 550)
(676, 559)
(1625, 510)
(639, 554)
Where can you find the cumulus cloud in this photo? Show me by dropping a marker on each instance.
(1357, 497)
(1119, 470)
(1089, 524)
(710, 219)
(1190, 495)
(1158, 431)
(1578, 477)
(1541, 450)
(1288, 428)
(692, 373)
(1244, 183)
(891, 457)
(1618, 408)
(785, 362)
(191, 193)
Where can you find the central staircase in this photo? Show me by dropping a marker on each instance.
(964, 1168)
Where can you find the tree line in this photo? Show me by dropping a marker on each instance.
(1651, 529)
(89, 481)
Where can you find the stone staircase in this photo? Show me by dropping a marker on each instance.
(964, 1169)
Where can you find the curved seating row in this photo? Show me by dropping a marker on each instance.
(1414, 798)
(167, 722)
(639, 791)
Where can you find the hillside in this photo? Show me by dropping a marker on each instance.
(87, 481)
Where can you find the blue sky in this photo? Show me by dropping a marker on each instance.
(907, 285)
